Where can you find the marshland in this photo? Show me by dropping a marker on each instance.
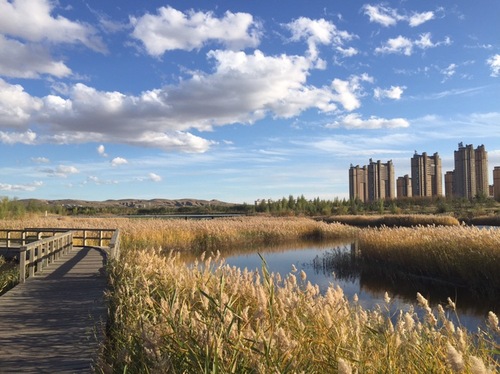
(176, 305)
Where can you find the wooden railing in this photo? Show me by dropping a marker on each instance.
(81, 237)
(114, 245)
(37, 255)
(38, 247)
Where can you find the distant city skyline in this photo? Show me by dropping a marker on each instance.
(468, 179)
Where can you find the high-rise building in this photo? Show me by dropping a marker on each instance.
(358, 183)
(496, 183)
(482, 180)
(373, 182)
(448, 184)
(426, 175)
(403, 187)
(470, 176)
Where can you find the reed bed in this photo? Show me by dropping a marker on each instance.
(201, 235)
(225, 234)
(466, 255)
(209, 317)
(399, 220)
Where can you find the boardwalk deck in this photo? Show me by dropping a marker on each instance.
(53, 322)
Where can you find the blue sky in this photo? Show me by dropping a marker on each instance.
(237, 100)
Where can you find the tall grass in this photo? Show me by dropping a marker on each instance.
(201, 235)
(209, 317)
(404, 220)
(467, 255)
(225, 234)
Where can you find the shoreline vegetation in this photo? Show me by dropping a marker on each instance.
(393, 220)
(166, 316)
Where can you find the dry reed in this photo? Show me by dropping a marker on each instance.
(466, 255)
(399, 220)
(209, 317)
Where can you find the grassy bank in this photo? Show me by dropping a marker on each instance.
(392, 220)
(465, 255)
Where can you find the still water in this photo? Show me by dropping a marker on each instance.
(336, 263)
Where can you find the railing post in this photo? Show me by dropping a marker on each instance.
(32, 260)
(22, 264)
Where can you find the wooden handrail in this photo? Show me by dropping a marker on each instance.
(114, 245)
(38, 247)
(81, 236)
(37, 255)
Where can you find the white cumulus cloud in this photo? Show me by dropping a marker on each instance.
(172, 29)
(117, 161)
(27, 137)
(241, 88)
(16, 105)
(102, 151)
(419, 18)
(32, 20)
(393, 93)
(494, 64)
(316, 32)
(154, 177)
(35, 60)
(348, 93)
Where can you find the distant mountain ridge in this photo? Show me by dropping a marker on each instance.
(132, 203)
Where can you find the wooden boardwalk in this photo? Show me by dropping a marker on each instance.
(53, 322)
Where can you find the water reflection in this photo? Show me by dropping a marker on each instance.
(338, 263)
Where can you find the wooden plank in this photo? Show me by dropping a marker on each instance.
(54, 322)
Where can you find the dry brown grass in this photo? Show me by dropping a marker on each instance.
(404, 220)
(209, 317)
(466, 255)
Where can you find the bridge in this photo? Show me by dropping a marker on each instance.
(55, 318)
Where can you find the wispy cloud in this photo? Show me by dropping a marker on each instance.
(62, 171)
(387, 16)
(405, 46)
(20, 187)
(355, 121)
(40, 160)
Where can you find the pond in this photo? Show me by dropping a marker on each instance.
(336, 263)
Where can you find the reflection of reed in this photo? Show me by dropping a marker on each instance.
(263, 249)
(341, 260)
(376, 279)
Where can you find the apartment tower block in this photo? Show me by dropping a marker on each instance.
(426, 175)
(470, 176)
(372, 182)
